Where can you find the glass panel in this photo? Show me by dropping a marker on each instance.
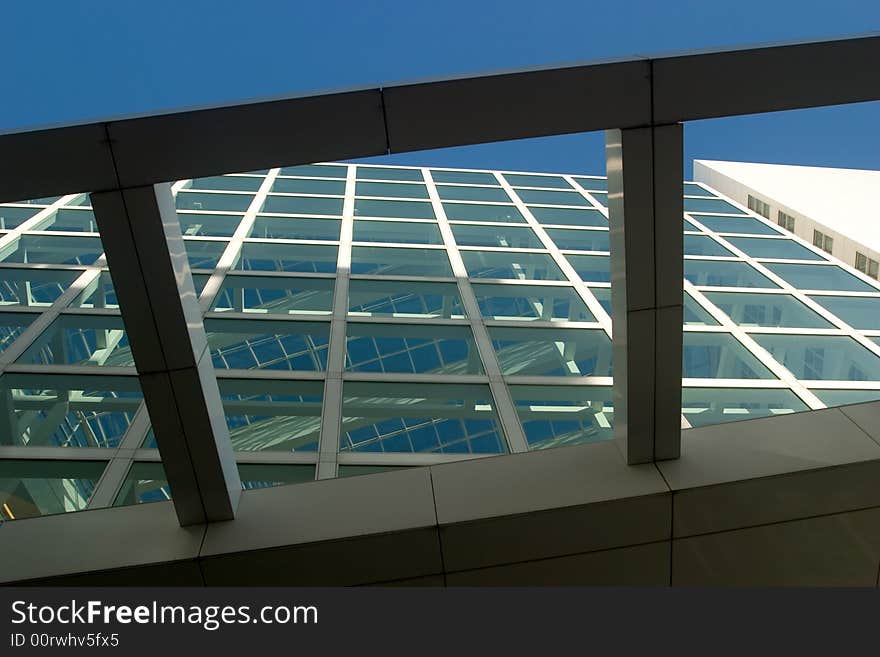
(33, 287)
(273, 415)
(48, 200)
(719, 356)
(268, 345)
(593, 184)
(580, 240)
(843, 397)
(704, 406)
(757, 247)
(407, 417)
(187, 200)
(710, 205)
(411, 348)
(47, 410)
(466, 177)
(388, 173)
(204, 254)
(458, 193)
(358, 470)
(531, 302)
(228, 183)
(556, 416)
(10, 217)
(56, 250)
(474, 212)
(390, 261)
(509, 264)
(287, 257)
(819, 277)
(404, 299)
(569, 217)
(308, 186)
(552, 352)
(397, 231)
(79, 220)
(689, 226)
(491, 235)
(736, 225)
(398, 190)
(693, 189)
(858, 312)
(595, 269)
(394, 209)
(767, 310)
(725, 273)
(693, 313)
(99, 293)
(98, 340)
(30, 488)
(295, 228)
(303, 205)
(526, 180)
(601, 198)
(552, 198)
(208, 225)
(316, 170)
(822, 357)
(703, 245)
(275, 295)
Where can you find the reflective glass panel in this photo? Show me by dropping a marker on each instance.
(833, 397)
(302, 205)
(693, 189)
(228, 183)
(275, 295)
(388, 173)
(390, 261)
(719, 356)
(527, 180)
(736, 225)
(10, 216)
(703, 245)
(710, 205)
(704, 406)
(601, 198)
(31, 488)
(474, 212)
(56, 250)
(72, 220)
(531, 302)
(287, 257)
(98, 340)
(580, 240)
(767, 310)
(552, 352)
(569, 217)
(295, 228)
(396, 190)
(593, 269)
(33, 287)
(725, 273)
(593, 184)
(492, 235)
(316, 170)
(394, 209)
(187, 200)
(858, 312)
(465, 177)
(819, 277)
(556, 416)
(308, 186)
(758, 247)
(404, 232)
(204, 254)
(542, 197)
(460, 193)
(510, 264)
(204, 224)
(268, 345)
(403, 299)
(427, 418)
(411, 348)
(692, 313)
(822, 357)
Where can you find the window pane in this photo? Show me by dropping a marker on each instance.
(736, 225)
(10, 217)
(842, 397)
(819, 277)
(316, 170)
(764, 248)
(395, 209)
(601, 198)
(552, 352)
(98, 340)
(580, 240)
(73, 220)
(287, 257)
(295, 228)
(704, 406)
(593, 269)
(404, 299)
(459, 193)
(552, 198)
(33, 287)
(531, 302)
(692, 313)
(445, 419)
(593, 184)
(411, 348)
(204, 254)
(569, 217)
(509, 264)
(858, 312)
(702, 245)
(268, 345)
(228, 183)
(693, 189)
(187, 200)
(272, 415)
(388, 173)
(50, 410)
(308, 186)
(30, 488)
(465, 177)
(389, 261)
(823, 357)
(56, 250)
(724, 273)
(710, 205)
(474, 212)
(526, 180)
(397, 231)
(719, 356)
(767, 310)
(275, 295)
(399, 190)
(208, 225)
(303, 205)
(556, 416)
(491, 235)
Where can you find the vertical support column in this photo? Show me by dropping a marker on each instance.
(647, 244)
(148, 262)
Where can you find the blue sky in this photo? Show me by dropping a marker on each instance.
(70, 60)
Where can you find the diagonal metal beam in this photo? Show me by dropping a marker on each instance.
(146, 254)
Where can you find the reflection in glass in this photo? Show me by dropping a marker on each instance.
(393, 209)
(287, 257)
(552, 352)
(719, 356)
(511, 264)
(411, 348)
(822, 357)
(835, 397)
(531, 302)
(268, 345)
(704, 406)
(315, 170)
(569, 217)
(228, 183)
(404, 232)
(760, 247)
(462, 193)
(390, 189)
(724, 273)
(308, 186)
(31, 488)
(275, 295)
(389, 173)
(473, 212)
(187, 200)
(703, 245)
(736, 225)
(520, 237)
(556, 416)
(710, 205)
(33, 287)
(542, 197)
(56, 250)
(580, 240)
(295, 228)
(302, 205)
(404, 299)
(591, 268)
(858, 312)
(530, 180)
(464, 177)
(391, 261)
(205, 224)
(819, 277)
(767, 310)
(98, 340)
